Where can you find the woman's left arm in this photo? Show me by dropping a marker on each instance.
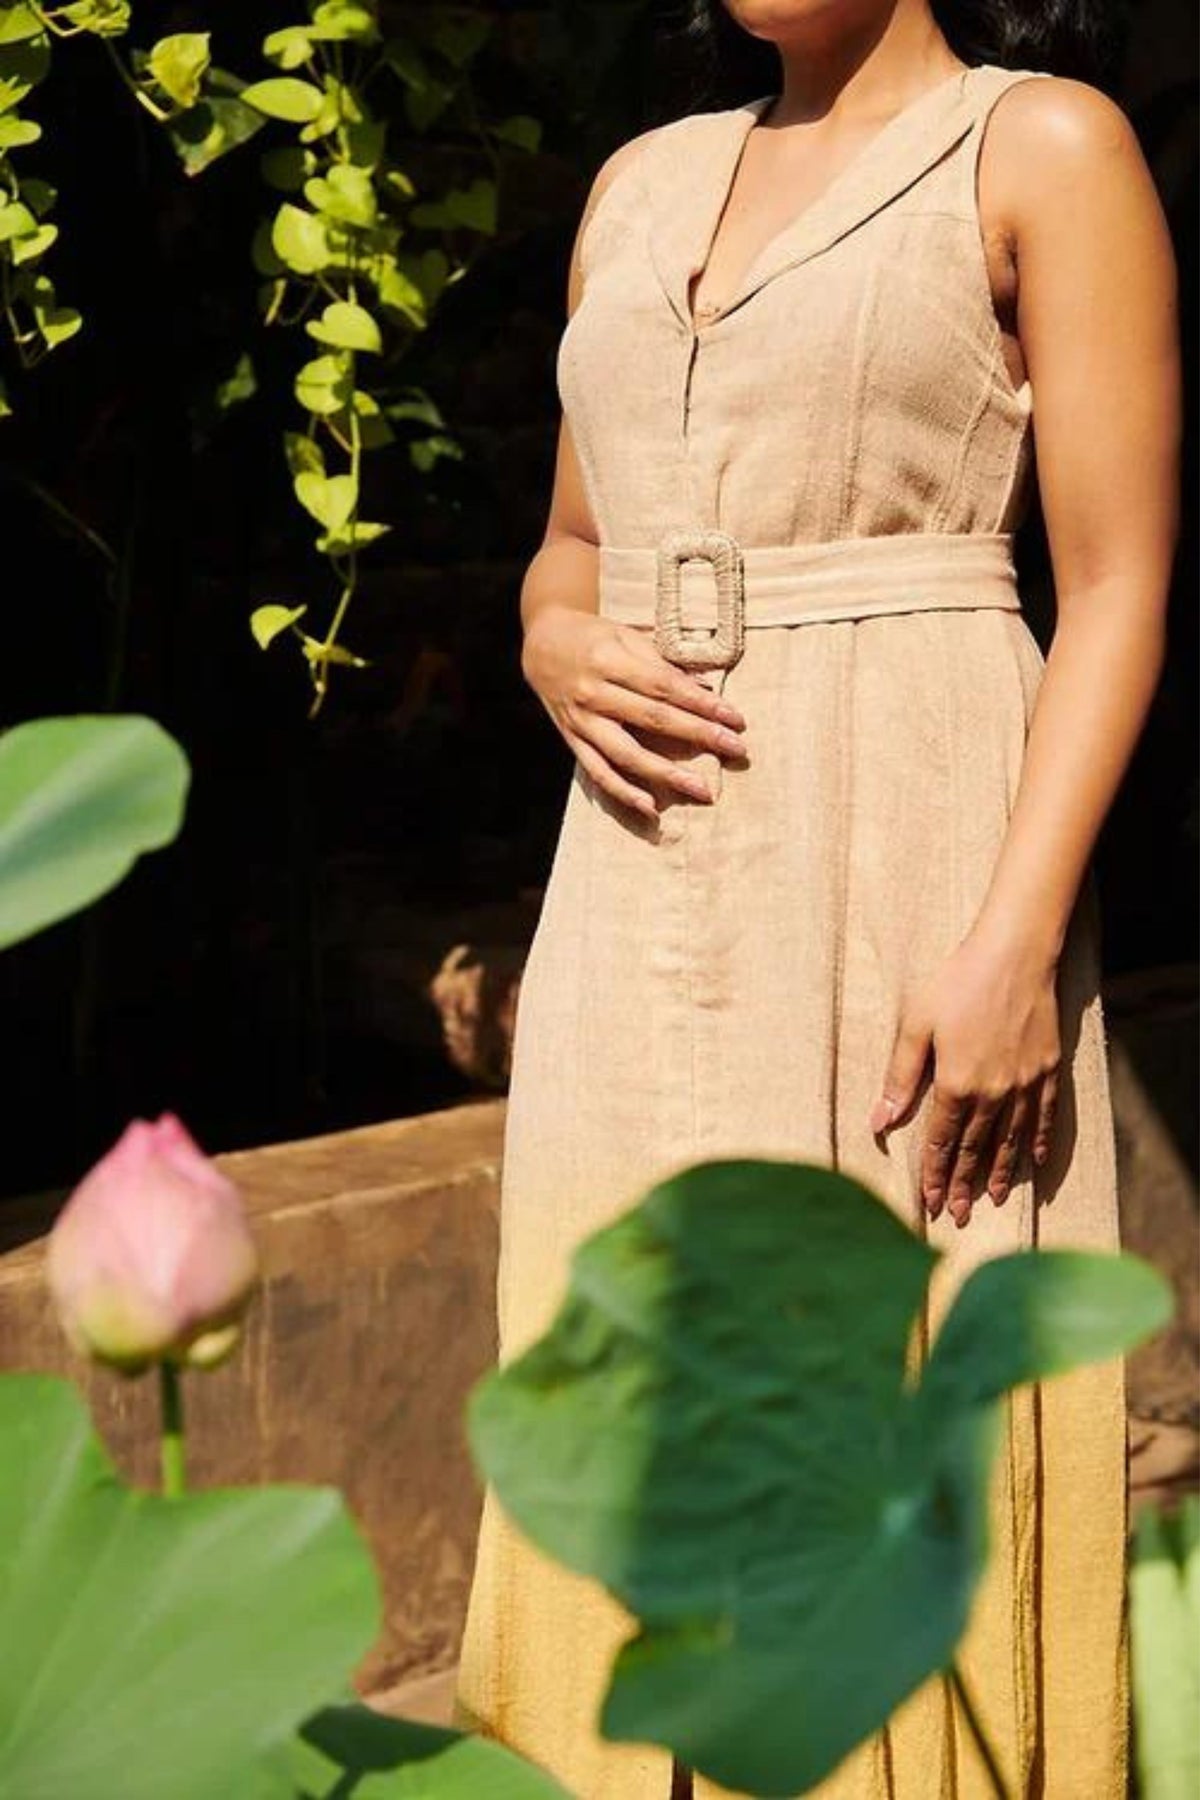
(1097, 321)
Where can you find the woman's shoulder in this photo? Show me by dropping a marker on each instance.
(1054, 122)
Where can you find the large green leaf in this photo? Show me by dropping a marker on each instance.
(1164, 1598)
(350, 1751)
(151, 1647)
(717, 1426)
(80, 800)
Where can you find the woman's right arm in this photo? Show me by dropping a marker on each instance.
(601, 682)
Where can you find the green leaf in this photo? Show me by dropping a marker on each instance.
(15, 133)
(284, 97)
(240, 385)
(299, 240)
(290, 48)
(346, 327)
(80, 800)
(424, 453)
(719, 1427)
(416, 404)
(105, 18)
(349, 1750)
(345, 194)
(473, 207)
(365, 143)
(373, 429)
(287, 168)
(22, 67)
(16, 221)
(179, 64)
(459, 35)
(339, 20)
(33, 244)
(303, 455)
(263, 254)
(330, 499)
(1164, 1605)
(218, 123)
(324, 386)
(397, 292)
(354, 536)
(55, 323)
(1024, 1318)
(521, 130)
(19, 22)
(340, 107)
(38, 195)
(152, 1646)
(322, 654)
(267, 622)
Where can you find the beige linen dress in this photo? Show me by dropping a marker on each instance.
(728, 981)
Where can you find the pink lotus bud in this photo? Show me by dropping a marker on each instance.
(151, 1258)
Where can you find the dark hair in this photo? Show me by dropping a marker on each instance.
(722, 65)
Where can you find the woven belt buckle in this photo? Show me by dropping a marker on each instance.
(722, 647)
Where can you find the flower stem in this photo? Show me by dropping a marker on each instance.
(959, 1687)
(173, 1464)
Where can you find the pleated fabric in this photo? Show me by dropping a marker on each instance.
(727, 981)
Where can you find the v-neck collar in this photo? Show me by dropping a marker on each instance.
(693, 182)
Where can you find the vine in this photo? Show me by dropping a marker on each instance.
(336, 257)
(336, 260)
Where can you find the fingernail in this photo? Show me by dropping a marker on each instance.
(729, 740)
(999, 1193)
(731, 716)
(699, 788)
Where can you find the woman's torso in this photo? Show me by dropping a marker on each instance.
(856, 382)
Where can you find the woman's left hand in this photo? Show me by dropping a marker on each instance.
(990, 1016)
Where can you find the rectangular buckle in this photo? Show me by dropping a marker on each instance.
(722, 647)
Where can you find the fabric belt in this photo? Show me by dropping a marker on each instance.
(702, 589)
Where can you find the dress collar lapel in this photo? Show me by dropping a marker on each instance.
(687, 188)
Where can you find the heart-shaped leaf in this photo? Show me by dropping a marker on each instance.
(285, 97)
(153, 1647)
(80, 800)
(346, 327)
(345, 193)
(179, 64)
(324, 385)
(268, 622)
(298, 239)
(717, 1425)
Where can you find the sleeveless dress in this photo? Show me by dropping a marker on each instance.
(727, 982)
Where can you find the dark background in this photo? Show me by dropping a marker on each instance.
(265, 976)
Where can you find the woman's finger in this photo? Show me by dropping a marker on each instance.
(947, 1115)
(623, 752)
(633, 660)
(608, 780)
(666, 720)
(1011, 1126)
(1046, 1113)
(971, 1154)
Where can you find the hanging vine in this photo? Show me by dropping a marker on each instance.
(337, 260)
(337, 255)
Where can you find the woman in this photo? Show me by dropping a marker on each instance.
(823, 886)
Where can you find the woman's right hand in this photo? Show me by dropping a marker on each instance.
(603, 683)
